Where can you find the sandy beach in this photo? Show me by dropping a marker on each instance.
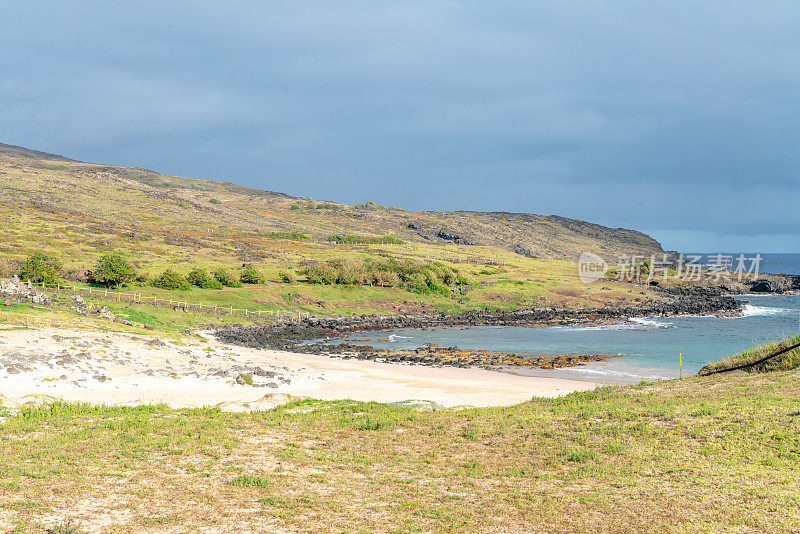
(114, 368)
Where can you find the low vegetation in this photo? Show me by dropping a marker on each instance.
(365, 239)
(695, 455)
(200, 278)
(227, 278)
(40, 267)
(112, 270)
(416, 277)
(170, 279)
(783, 362)
(251, 275)
(286, 235)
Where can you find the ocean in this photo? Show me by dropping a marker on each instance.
(644, 349)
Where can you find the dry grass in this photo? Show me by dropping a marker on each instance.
(702, 454)
(79, 211)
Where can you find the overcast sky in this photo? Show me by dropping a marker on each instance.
(680, 119)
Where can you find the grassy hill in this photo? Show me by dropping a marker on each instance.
(130, 200)
(79, 211)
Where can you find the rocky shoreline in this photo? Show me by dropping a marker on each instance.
(294, 337)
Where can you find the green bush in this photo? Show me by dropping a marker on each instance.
(169, 279)
(200, 278)
(288, 277)
(113, 270)
(215, 201)
(370, 205)
(365, 239)
(40, 267)
(287, 235)
(250, 275)
(416, 277)
(226, 278)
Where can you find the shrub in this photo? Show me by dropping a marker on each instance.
(200, 278)
(287, 276)
(169, 279)
(215, 201)
(41, 267)
(287, 235)
(142, 277)
(226, 278)
(370, 205)
(113, 270)
(417, 278)
(365, 239)
(294, 207)
(250, 275)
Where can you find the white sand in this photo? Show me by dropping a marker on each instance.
(112, 368)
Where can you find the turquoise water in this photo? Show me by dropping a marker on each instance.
(648, 349)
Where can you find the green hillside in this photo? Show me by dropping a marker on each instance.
(135, 200)
(78, 211)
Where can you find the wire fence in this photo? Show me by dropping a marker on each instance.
(138, 298)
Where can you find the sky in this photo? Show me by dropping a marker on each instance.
(679, 119)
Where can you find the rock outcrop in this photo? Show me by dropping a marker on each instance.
(13, 290)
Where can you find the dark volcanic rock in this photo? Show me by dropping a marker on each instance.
(691, 300)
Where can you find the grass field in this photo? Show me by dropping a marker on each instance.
(695, 455)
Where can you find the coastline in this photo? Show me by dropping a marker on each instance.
(297, 337)
(123, 369)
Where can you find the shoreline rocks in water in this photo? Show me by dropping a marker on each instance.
(294, 337)
(449, 356)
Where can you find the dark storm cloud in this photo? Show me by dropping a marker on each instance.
(680, 119)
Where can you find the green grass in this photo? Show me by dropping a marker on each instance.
(247, 481)
(784, 362)
(695, 455)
